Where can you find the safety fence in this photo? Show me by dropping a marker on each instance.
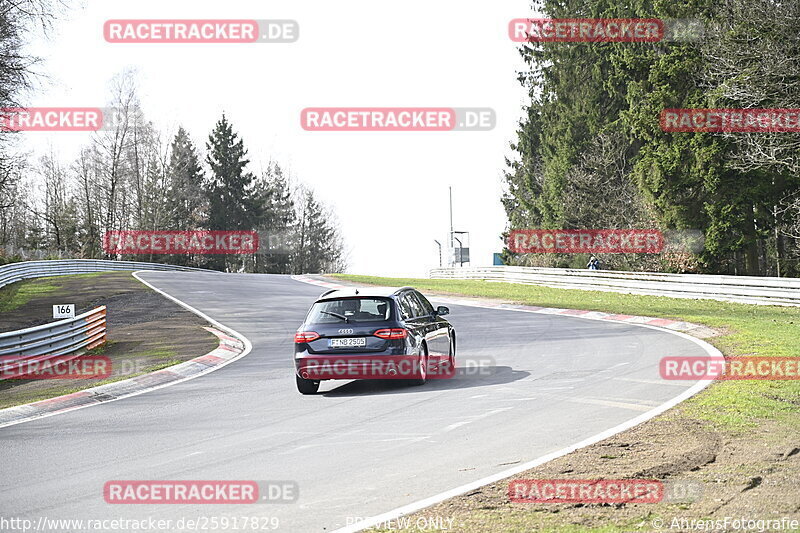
(63, 267)
(58, 342)
(744, 289)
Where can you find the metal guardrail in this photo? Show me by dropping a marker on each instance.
(40, 344)
(62, 267)
(65, 338)
(743, 289)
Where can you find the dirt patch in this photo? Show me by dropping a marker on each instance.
(737, 480)
(145, 330)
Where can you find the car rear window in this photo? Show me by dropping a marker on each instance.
(354, 309)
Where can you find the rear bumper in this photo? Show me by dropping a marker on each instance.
(355, 366)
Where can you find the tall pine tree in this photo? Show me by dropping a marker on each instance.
(186, 200)
(319, 244)
(233, 203)
(278, 222)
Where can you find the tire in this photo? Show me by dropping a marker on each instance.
(452, 359)
(306, 386)
(423, 367)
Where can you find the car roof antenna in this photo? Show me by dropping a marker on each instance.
(356, 291)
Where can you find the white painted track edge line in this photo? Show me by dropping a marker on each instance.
(457, 491)
(248, 346)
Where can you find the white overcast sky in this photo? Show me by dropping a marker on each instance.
(389, 189)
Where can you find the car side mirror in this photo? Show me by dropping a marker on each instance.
(442, 310)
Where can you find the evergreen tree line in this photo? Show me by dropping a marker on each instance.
(590, 151)
(130, 178)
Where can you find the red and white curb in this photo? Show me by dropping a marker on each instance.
(695, 330)
(319, 282)
(232, 346)
(229, 349)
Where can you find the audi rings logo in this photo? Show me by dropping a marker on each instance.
(345, 331)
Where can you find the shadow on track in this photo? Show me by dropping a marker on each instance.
(464, 378)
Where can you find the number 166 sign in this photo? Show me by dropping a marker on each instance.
(64, 311)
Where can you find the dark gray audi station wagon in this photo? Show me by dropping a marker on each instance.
(373, 333)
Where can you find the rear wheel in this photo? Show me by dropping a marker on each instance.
(423, 367)
(306, 386)
(452, 359)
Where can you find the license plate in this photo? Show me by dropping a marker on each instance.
(350, 342)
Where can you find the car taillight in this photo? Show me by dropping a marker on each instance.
(305, 336)
(394, 333)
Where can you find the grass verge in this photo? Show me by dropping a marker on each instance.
(17, 294)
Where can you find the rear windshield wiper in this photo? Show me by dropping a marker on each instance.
(337, 315)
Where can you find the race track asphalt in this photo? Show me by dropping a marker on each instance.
(357, 449)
